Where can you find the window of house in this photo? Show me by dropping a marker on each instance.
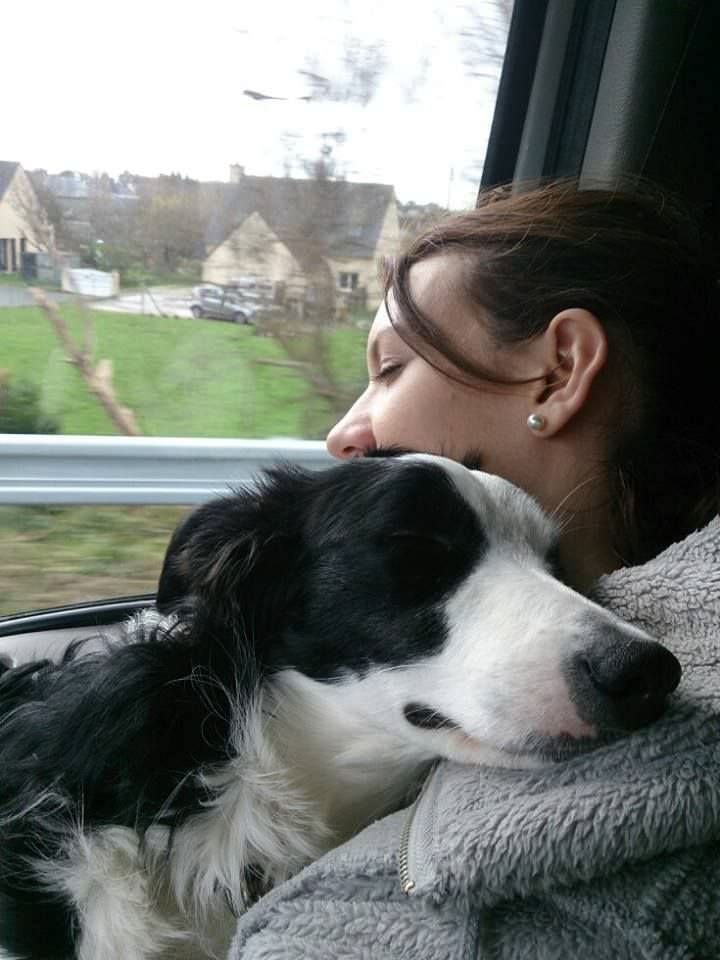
(348, 281)
(305, 171)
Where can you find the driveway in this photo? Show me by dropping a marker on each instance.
(156, 301)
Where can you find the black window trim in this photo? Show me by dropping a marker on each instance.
(100, 613)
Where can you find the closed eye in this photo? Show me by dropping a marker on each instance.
(422, 565)
(412, 537)
(386, 372)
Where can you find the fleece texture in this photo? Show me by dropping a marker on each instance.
(615, 854)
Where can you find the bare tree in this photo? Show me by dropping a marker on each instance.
(304, 333)
(483, 37)
(353, 79)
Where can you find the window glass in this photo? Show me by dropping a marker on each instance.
(52, 556)
(202, 202)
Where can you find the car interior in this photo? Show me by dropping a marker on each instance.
(596, 89)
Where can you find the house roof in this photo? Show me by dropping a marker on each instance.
(68, 185)
(7, 172)
(332, 217)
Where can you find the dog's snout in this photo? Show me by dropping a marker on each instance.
(622, 683)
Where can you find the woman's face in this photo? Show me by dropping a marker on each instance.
(410, 404)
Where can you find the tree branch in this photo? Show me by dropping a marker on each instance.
(98, 378)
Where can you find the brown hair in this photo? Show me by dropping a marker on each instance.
(636, 259)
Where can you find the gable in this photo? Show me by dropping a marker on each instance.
(313, 218)
(8, 170)
(251, 240)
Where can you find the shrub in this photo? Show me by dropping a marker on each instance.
(20, 410)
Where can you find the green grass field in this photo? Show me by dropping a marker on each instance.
(181, 378)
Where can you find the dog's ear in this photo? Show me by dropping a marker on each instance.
(175, 585)
(236, 545)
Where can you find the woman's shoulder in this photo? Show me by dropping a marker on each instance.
(676, 591)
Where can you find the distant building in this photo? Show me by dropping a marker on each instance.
(83, 199)
(301, 235)
(24, 226)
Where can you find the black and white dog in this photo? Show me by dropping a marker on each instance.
(321, 639)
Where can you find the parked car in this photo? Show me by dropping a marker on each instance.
(252, 286)
(222, 303)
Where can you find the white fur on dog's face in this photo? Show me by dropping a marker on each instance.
(501, 677)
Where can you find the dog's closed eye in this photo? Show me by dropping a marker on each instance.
(421, 540)
(422, 561)
(420, 552)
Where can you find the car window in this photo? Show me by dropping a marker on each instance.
(337, 133)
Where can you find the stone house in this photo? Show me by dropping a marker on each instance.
(303, 236)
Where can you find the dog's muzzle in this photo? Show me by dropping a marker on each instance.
(621, 683)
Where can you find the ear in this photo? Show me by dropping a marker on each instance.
(575, 350)
(176, 577)
(237, 555)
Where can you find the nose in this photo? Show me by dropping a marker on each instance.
(622, 683)
(352, 436)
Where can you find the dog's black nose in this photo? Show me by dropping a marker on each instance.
(622, 683)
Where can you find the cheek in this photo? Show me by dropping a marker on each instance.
(411, 418)
(423, 412)
(494, 425)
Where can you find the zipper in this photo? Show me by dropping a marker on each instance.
(406, 881)
(407, 884)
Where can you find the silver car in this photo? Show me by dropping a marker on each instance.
(221, 303)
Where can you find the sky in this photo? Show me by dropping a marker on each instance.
(157, 87)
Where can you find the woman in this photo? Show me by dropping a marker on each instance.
(567, 340)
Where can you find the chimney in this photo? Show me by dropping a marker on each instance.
(237, 172)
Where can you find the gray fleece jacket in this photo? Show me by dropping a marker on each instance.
(615, 854)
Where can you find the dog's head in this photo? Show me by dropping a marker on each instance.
(416, 597)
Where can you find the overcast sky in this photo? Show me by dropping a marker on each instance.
(156, 86)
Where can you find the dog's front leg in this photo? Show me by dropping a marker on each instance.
(115, 887)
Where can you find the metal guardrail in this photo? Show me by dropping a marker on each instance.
(137, 470)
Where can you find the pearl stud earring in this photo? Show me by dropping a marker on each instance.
(536, 422)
